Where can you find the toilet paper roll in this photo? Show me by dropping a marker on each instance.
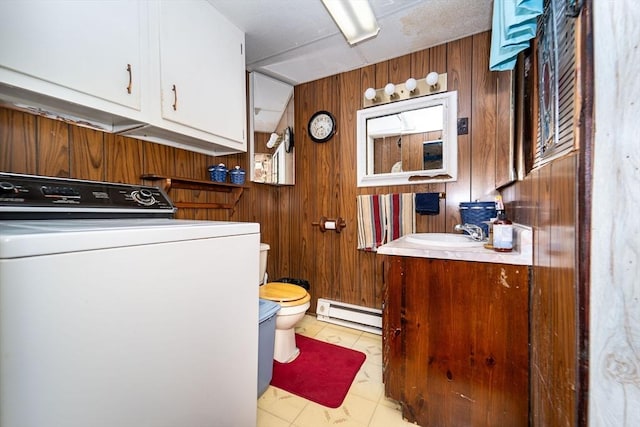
(330, 225)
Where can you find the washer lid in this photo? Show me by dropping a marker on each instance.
(46, 237)
(277, 291)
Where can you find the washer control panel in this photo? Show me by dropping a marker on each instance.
(27, 196)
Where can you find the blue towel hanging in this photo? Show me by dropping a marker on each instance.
(514, 24)
(428, 203)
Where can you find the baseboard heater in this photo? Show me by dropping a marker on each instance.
(349, 315)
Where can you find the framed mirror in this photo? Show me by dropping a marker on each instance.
(408, 142)
(271, 139)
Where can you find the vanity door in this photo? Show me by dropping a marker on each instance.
(460, 354)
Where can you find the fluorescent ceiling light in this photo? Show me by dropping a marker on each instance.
(354, 18)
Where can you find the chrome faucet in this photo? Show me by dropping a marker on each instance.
(475, 232)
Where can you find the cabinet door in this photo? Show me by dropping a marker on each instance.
(460, 353)
(466, 332)
(202, 69)
(69, 49)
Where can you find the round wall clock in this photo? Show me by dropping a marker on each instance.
(288, 139)
(322, 126)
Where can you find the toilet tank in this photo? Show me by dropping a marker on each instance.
(264, 250)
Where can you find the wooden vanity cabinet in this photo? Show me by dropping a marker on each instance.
(456, 341)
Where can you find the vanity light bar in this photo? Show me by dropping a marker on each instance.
(399, 92)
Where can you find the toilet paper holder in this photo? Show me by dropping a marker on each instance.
(330, 224)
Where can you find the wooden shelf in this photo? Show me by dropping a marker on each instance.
(169, 182)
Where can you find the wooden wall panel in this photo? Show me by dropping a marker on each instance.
(547, 200)
(459, 78)
(54, 156)
(284, 232)
(159, 159)
(484, 121)
(124, 159)
(184, 166)
(563, 275)
(348, 276)
(327, 165)
(305, 201)
(18, 151)
(87, 154)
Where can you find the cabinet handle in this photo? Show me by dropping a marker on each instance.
(175, 98)
(130, 80)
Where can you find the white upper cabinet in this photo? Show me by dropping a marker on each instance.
(171, 72)
(202, 69)
(87, 53)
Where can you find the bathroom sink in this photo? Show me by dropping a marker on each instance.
(443, 240)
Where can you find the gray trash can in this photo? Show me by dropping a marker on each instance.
(266, 338)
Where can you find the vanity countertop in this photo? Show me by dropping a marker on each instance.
(521, 255)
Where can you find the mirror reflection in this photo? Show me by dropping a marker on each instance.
(408, 141)
(271, 154)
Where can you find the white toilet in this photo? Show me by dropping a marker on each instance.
(294, 302)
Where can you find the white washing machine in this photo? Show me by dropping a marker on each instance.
(113, 321)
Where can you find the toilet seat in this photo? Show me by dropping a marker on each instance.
(285, 294)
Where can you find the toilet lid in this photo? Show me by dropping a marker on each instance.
(283, 292)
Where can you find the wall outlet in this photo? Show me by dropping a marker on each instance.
(463, 126)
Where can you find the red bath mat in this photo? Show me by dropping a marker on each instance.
(322, 372)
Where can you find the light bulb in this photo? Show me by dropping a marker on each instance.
(272, 140)
(390, 89)
(411, 84)
(432, 78)
(370, 93)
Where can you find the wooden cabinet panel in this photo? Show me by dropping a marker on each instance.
(455, 341)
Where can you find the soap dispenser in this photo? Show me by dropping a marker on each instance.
(502, 229)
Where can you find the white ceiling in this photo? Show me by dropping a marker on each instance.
(297, 41)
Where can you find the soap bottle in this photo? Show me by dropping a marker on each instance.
(502, 229)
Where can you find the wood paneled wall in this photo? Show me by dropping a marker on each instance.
(550, 199)
(326, 178)
(547, 200)
(41, 146)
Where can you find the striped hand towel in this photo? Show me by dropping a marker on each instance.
(399, 214)
(371, 222)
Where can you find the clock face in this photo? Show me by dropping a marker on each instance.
(322, 126)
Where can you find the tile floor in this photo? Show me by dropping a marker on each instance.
(365, 404)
